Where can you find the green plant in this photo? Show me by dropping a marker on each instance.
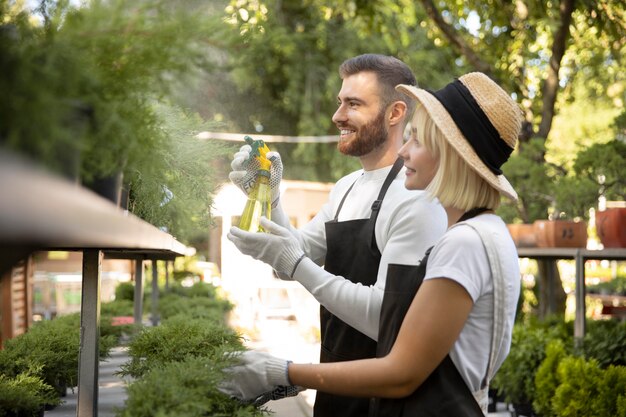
(616, 286)
(587, 390)
(213, 309)
(515, 380)
(605, 341)
(125, 291)
(199, 289)
(546, 380)
(25, 395)
(89, 87)
(53, 347)
(176, 340)
(184, 388)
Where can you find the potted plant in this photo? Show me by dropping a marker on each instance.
(604, 164)
(611, 227)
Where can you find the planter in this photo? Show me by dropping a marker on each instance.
(523, 235)
(611, 227)
(560, 234)
(108, 187)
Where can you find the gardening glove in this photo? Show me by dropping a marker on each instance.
(244, 169)
(257, 375)
(278, 247)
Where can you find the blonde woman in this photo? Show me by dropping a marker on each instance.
(444, 333)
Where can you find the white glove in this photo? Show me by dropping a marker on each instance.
(256, 374)
(244, 170)
(278, 247)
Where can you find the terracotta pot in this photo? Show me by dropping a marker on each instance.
(523, 235)
(560, 234)
(611, 227)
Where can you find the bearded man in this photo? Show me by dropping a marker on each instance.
(369, 222)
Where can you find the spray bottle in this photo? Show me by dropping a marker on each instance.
(260, 196)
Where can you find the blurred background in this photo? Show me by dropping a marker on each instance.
(145, 102)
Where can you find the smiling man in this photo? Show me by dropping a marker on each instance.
(369, 222)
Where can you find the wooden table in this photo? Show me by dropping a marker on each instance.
(580, 256)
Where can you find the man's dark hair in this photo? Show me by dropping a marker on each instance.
(390, 71)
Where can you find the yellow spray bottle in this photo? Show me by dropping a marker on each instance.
(260, 196)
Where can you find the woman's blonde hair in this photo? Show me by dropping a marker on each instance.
(455, 184)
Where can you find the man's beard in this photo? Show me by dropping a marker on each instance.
(368, 138)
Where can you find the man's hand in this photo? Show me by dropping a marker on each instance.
(278, 247)
(244, 168)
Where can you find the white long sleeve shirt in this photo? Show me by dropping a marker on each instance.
(409, 223)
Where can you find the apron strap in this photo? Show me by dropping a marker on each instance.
(395, 169)
(499, 305)
(344, 199)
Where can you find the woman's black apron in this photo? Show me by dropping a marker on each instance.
(353, 254)
(444, 393)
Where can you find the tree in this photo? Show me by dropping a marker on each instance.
(541, 51)
(90, 87)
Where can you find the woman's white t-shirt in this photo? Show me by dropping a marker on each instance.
(461, 256)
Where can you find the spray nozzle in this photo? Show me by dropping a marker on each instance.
(259, 151)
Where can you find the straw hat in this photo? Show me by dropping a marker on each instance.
(459, 111)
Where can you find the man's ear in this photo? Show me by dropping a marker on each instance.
(397, 112)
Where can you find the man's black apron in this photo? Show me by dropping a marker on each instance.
(353, 254)
(444, 393)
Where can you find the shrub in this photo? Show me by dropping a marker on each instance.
(186, 388)
(125, 291)
(25, 395)
(515, 380)
(175, 341)
(587, 390)
(605, 341)
(196, 307)
(199, 289)
(546, 380)
(53, 347)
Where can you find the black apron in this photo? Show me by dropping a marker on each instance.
(444, 393)
(351, 252)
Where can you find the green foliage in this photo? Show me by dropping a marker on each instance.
(197, 307)
(615, 285)
(515, 379)
(198, 289)
(530, 177)
(52, 347)
(25, 395)
(86, 94)
(125, 291)
(176, 340)
(605, 342)
(587, 390)
(184, 388)
(117, 308)
(603, 165)
(200, 301)
(546, 380)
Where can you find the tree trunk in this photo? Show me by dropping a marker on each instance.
(551, 296)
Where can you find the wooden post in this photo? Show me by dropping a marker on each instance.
(579, 293)
(155, 293)
(138, 291)
(89, 335)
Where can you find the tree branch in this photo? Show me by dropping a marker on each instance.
(455, 39)
(551, 84)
